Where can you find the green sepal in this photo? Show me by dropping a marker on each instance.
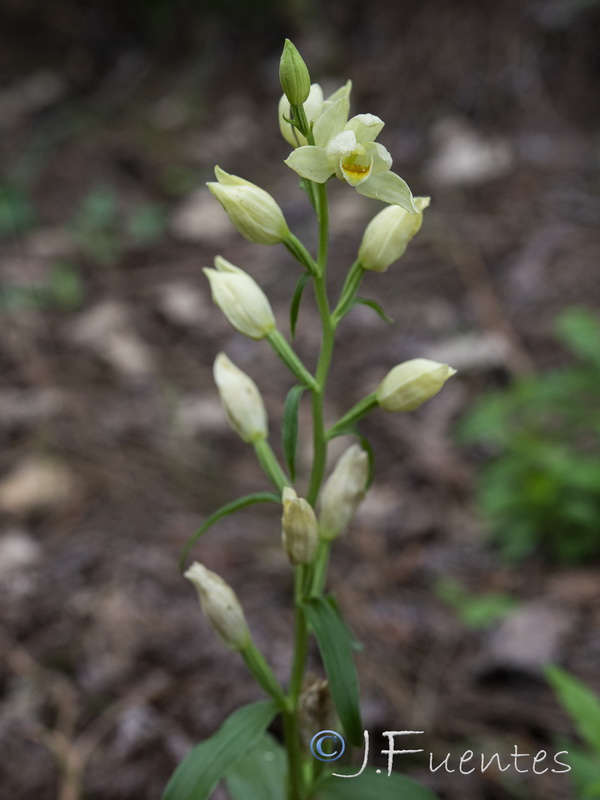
(199, 773)
(224, 511)
(336, 651)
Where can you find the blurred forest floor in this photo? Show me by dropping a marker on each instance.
(115, 447)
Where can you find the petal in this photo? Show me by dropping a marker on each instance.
(342, 144)
(310, 162)
(355, 172)
(382, 160)
(229, 180)
(390, 188)
(313, 106)
(223, 265)
(343, 91)
(366, 127)
(331, 122)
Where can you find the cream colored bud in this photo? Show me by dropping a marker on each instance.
(253, 211)
(343, 492)
(410, 384)
(220, 606)
(293, 75)
(241, 399)
(241, 299)
(299, 528)
(388, 234)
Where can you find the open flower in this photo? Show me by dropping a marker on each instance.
(336, 107)
(349, 151)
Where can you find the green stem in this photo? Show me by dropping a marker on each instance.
(324, 362)
(291, 734)
(352, 416)
(300, 253)
(353, 280)
(258, 666)
(303, 124)
(301, 638)
(321, 563)
(270, 464)
(286, 353)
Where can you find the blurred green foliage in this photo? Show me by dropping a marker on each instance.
(540, 490)
(17, 213)
(63, 290)
(583, 707)
(102, 232)
(475, 611)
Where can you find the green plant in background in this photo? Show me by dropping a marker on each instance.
(475, 610)
(17, 213)
(316, 511)
(541, 489)
(102, 232)
(62, 290)
(583, 707)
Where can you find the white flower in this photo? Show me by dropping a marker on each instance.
(411, 383)
(388, 234)
(343, 491)
(253, 211)
(221, 607)
(299, 528)
(350, 152)
(241, 399)
(241, 299)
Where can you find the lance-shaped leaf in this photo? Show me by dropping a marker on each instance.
(199, 773)
(224, 511)
(260, 774)
(363, 301)
(336, 652)
(371, 784)
(580, 702)
(296, 300)
(290, 428)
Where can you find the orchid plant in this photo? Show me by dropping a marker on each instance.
(251, 762)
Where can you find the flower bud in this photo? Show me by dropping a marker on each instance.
(241, 299)
(343, 492)
(388, 234)
(293, 75)
(220, 606)
(410, 384)
(241, 399)
(253, 211)
(299, 528)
